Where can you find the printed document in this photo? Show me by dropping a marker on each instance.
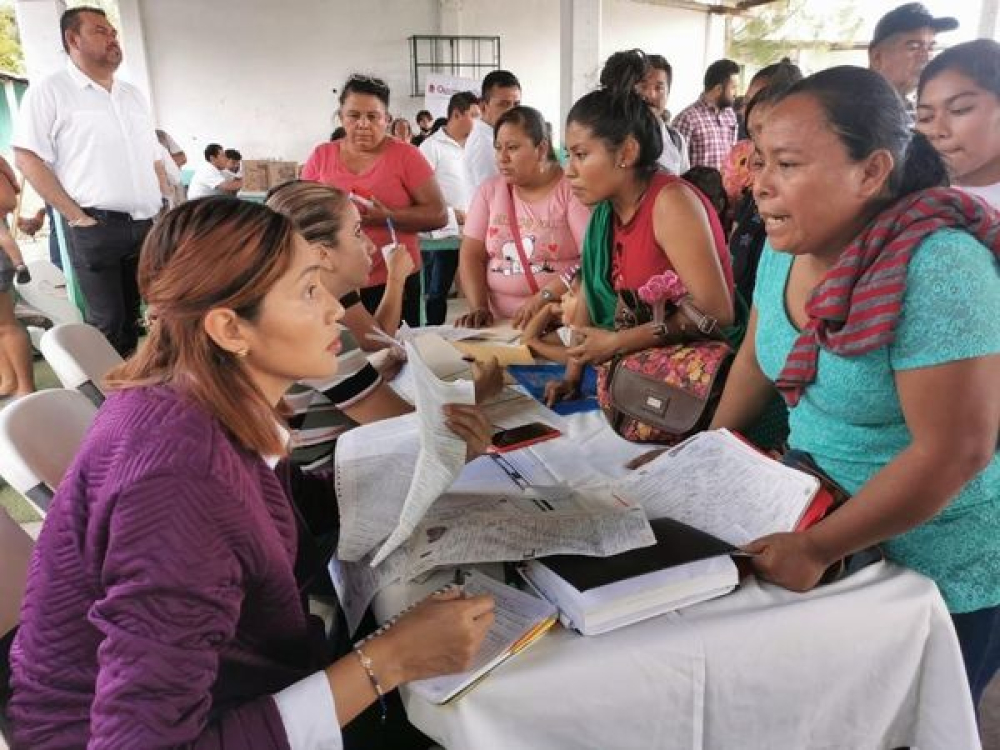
(442, 452)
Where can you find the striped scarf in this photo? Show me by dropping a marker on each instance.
(856, 307)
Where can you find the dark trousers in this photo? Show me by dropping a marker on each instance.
(371, 296)
(979, 638)
(54, 254)
(105, 260)
(439, 272)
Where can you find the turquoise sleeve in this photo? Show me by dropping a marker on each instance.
(951, 308)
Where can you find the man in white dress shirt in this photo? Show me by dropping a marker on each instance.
(501, 91)
(213, 177)
(444, 150)
(87, 144)
(655, 90)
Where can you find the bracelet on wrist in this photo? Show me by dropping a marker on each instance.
(369, 666)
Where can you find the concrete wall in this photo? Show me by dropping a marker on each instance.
(690, 40)
(257, 75)
(529, 45)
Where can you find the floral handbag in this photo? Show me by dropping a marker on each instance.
(663, 394)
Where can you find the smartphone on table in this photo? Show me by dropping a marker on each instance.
(522, 436)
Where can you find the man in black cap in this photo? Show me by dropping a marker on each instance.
(902, 45)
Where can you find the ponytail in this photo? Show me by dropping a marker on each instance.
(616, 110)
(922, 168)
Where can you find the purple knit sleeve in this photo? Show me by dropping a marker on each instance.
(173, 583)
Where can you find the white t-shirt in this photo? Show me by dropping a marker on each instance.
(206, 181)
(674, 160)
(479, 157)
(444, 154)
(989, 193)
(100, 145)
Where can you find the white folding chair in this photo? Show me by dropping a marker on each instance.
(47, 293)
(15, 553)
(39, 436)
(80, 356)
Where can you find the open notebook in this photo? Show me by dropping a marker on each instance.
(520, 619)
(716, 482)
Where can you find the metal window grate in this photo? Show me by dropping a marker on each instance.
(469, 56)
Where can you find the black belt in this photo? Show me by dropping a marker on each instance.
(119, 217)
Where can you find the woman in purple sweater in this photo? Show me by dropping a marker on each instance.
(162, 608)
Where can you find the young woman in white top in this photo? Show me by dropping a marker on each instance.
(958, 109)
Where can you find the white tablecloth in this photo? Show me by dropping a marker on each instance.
(869, 662)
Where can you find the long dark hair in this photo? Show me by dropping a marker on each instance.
(978, 61)
(867, 115)
(529, 120)
(616, 110)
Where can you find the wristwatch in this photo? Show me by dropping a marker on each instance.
(548, 296)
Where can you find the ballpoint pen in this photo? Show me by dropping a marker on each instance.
(392, 230)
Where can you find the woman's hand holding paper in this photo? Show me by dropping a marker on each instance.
(470, 423)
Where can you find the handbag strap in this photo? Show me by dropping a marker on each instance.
(515, 232)
(706, 324)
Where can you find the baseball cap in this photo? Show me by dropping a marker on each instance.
(909, 17)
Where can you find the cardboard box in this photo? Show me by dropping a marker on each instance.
(255, 177)
(279, 172)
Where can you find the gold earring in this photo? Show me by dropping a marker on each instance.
(621, 165)
(243, 352)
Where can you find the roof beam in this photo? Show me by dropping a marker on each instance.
(719, 9)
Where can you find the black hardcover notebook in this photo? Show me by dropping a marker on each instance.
(676, 544)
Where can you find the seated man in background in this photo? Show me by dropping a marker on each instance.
(234, 163)
(211, 177)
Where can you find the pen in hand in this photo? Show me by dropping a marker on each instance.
(392, 230)
(459, 580)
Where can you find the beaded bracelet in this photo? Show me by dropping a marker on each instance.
(368, 666)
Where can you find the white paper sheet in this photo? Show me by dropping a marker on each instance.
(442, 452)
(374, 465)
(520, 525)
(356, 583)
(715, 482)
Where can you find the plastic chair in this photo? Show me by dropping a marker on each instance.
(15, 553)
(80, 356)
(39, 436)
(47, 293)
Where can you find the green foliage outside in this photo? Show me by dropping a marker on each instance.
(783, 28)
(11, 57)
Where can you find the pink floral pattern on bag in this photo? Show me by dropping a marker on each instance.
(689, 368)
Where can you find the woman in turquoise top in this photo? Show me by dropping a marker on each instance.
(908, 426)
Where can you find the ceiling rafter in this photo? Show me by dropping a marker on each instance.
(738, 8)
